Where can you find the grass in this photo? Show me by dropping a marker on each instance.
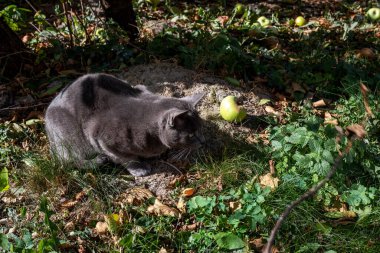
(231, 207)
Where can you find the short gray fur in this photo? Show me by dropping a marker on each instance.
(100, 118)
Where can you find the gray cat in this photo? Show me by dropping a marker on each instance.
(99, 118)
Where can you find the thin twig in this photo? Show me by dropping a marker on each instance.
(68, 23)
(308, 194)
(22, 107)
(19, 52)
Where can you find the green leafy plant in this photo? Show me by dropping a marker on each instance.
(14, 16)
(4, 182)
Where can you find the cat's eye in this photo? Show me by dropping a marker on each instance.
(191, 135)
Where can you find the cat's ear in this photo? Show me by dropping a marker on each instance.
(194, 99)
(175, 117)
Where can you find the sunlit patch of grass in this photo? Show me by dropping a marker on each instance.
(234, 168)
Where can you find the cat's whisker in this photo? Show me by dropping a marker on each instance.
(172, 166)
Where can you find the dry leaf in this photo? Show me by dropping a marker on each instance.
(79, 196)
(101, 227)
(271, 167)
(357, 129)
(330, 120)
(190, 227)
(269, 180)
(137, 196)
(296, 87)
(364, 90)
(319, 103)
(234, 205)
(257, 243)
(139, 230)
(176, 181)
(367, 53)
(222, 19)
(69, 204)
(69, 226)
(181, 205)
(163, 250)
(188, 192)
(160, 209)
(81, 249)
(113, 222)
(220, 183)
(270, 109)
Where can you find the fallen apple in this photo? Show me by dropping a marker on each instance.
(300, 21)
(239, 9)
(263, 21)
(373, 13)
(230, 111)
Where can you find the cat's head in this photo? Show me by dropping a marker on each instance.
(181, 124)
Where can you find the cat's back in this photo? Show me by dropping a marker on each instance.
(93, 92)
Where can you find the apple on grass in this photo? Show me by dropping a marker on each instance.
(230, 111)
(239, 9)
(374, 13)
(300, 21)
(263, 21)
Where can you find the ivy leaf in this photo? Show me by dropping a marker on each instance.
(229, 241)
(4, 243)
(315, 146)
(298, 136)
(276, 145)
(326, 154)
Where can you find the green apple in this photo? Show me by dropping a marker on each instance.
(230, 111)
(263, 21)
(154, 3)
(300, 21)
(373, 13)
(239, 9)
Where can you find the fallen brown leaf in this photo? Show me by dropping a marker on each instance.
(181, 205)
(257, 243)
(364, 90)
(357, 129)
(330, 120)
(234, 205)
(188, 192)
(367, 53)
(319, 103)
(160, 209)
(296, 87)
(271, 167)
(136, 196)
(69, 204)
(176, 181)
(69, 226)
(222, 20)
(190, 227)
(271, 110)
(269, 180)
(80, 195)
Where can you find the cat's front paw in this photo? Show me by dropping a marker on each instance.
(139, 169)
